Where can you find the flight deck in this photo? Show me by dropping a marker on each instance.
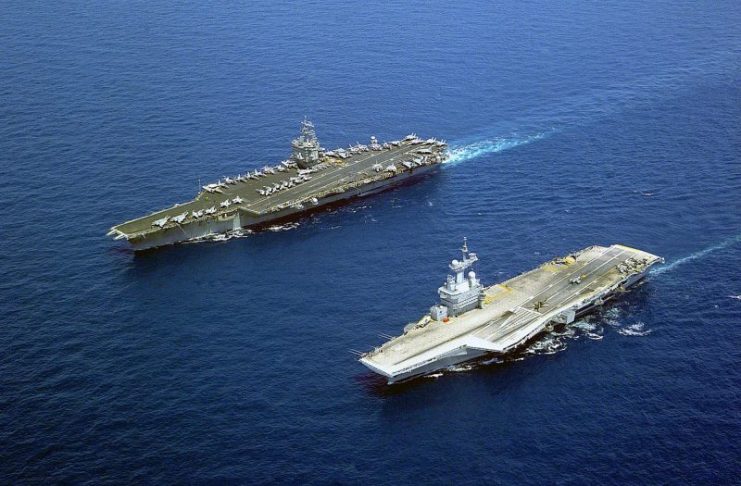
(508, 314)
(311, 178)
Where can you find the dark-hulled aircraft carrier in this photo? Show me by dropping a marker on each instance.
(312, 177)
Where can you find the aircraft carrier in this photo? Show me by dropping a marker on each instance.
(472, 320)
(311, 178)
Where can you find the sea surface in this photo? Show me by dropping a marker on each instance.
(570, 124)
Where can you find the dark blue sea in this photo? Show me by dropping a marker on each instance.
(570, 124)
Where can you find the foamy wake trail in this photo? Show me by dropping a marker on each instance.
(697, 255)
(636, 329)
(462, 153)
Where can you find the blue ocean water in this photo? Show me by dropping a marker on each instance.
(570, 123)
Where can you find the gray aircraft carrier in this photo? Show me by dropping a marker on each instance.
(472, 320)
(311, 178)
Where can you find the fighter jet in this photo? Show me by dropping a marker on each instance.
(161, 222)
(229, 180)
(211, 210)
(226, 204)
(180, 217)
(377, 167)
(410, 137)
(197, 214)
(237, 200)
(391, 168)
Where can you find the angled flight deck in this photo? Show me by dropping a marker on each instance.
(472, 321)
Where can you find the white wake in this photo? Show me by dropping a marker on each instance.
(463, 152)
(697, 255)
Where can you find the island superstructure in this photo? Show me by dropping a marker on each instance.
(472, 320)
(311, 178)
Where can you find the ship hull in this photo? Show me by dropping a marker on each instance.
(457, 358)
(468, 355)
(494, 335)
(220, 225)
(312, 178)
